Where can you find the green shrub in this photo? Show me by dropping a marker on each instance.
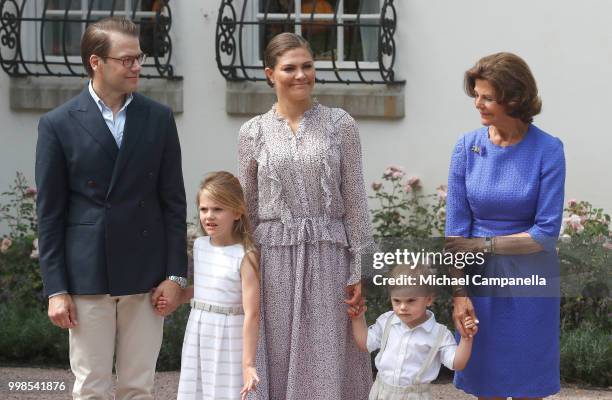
(586, 355)
(174, 331)
(28, 337)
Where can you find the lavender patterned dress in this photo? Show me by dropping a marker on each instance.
(306, 199)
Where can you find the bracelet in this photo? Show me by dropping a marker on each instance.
(489, 245)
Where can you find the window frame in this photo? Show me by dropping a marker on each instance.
(296, 16)
(238, 41)
(25, 52)
(83, 13)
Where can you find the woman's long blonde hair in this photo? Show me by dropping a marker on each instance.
(224, 188)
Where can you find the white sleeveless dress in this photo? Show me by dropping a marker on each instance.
(211, 363)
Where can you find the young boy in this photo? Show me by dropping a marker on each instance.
(412, 344)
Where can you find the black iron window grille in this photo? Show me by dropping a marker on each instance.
(42, 37)
(353, 40)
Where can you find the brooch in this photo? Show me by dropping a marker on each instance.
(478, 150)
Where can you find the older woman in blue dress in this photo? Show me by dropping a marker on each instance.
(505, 197)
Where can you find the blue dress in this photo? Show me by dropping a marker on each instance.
(494, 191)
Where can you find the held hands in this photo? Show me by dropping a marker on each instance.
(356, 301)
(251, 380)
(355, 312)
(162, 303)
(470, 326)
(463, 310)
(171, 293)
(62, 311)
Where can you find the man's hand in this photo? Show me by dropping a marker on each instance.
(171, 292)
(463, 310)
(62, 311)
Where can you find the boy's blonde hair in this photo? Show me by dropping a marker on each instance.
(404, 272)
(224, 188)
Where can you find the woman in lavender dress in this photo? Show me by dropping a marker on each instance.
(505, 195)
(300, 167)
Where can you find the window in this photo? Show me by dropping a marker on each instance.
(42, 37)
(352, 39)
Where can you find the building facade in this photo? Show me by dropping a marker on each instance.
(412, 118)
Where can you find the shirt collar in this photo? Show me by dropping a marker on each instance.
(306, 114)
(428, 325)
(100, 102)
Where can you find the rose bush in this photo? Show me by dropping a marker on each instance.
(404, 217)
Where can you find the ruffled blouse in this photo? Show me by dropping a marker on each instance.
(307, 186)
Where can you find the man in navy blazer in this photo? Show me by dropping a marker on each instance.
(111, 216)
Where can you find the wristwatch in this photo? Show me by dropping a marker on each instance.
(179, 280)
(488, 245)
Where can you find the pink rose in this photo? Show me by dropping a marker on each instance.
(394, 172)
(5, 245)
(30, 192)
(414, 182)
(575, 222)
(407, 187)
(442, 191)
(571, 202)
(376, 186)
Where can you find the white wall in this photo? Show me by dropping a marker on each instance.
(567, 44)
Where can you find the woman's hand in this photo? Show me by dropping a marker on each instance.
(464, 245)
(249, 375)
(356, 301)
(463, 310)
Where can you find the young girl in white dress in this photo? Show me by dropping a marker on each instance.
(412, 344)
(218, 359)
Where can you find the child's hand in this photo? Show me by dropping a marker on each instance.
(356, 311)
(470, 326)
(249, 375)
(162, 303)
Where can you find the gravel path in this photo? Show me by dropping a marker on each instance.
(166, 384)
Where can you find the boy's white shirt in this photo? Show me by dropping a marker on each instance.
(408, 348)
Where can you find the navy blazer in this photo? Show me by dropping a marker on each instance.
(110, 220)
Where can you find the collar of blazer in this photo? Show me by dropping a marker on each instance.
(89, 117)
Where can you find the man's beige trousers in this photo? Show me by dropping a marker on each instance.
(126, 324)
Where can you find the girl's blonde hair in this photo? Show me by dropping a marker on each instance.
(224, 188)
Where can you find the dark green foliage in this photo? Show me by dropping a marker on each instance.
(586, 355)
(27, 336)
(174, 331)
